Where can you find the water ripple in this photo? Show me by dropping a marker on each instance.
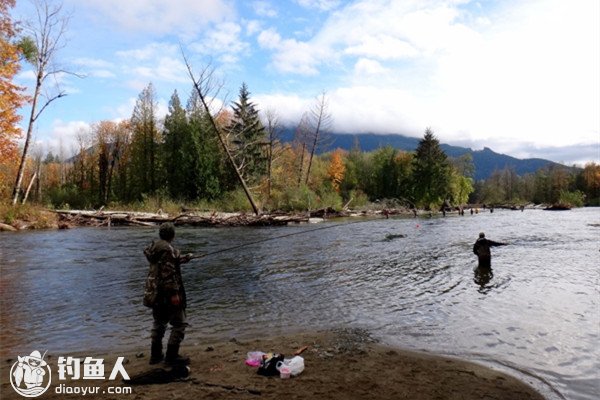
(411, 282)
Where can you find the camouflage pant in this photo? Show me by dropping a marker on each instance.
(164, 315)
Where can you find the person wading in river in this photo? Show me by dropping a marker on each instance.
(165, 294)
(482, 249)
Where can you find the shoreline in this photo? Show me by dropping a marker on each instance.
(339, 364)
(46, 219)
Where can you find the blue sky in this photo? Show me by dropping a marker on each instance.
(519, 76)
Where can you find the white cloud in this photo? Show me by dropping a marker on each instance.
(383, 47)
(96, 68)
(527, 77)
(252, 27)
(163, 17)
(224, 41)
(386, 30)
(323, 5)
(365, 66)
(154, 62)
(264, 9)
(25, 76)
(93, 63)
(165, 69)
(63, 136)
(524, 70)
(101, 73)
(290, 55)
(288, 107)
(148, 52)
(125, 109)
(354, 109)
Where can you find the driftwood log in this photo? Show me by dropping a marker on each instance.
(6, 227)
(127, 218)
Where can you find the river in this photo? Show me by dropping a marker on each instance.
(410, 282)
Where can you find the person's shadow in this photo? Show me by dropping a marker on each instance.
(482, 277)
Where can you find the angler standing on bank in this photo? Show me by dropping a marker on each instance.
(165, 294)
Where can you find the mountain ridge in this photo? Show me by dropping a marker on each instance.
(485, 161)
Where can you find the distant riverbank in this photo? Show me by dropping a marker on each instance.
(27, 217)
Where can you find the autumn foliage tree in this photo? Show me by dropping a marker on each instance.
(110, 140)
(336, 169)
(591, 182)
(11, 97)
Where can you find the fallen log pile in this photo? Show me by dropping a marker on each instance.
(69, 218)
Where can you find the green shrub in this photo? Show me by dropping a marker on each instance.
(330, 199)
(68, 196)
(359, 199)
(294, 199)
(235, 201)
(571, 199)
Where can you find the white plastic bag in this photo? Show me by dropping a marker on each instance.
(294, 365)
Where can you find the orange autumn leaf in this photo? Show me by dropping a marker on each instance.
(336, 169)
(11, 97)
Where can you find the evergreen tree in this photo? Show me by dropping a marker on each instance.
(145, 160)
(176, 157)
(247, 134)
(211, 172)
(431, 173)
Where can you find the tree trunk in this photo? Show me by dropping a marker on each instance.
(314, 144)
(32, 116)
(29, 188)
(301, 166)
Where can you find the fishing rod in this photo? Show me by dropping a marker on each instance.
(202, 255)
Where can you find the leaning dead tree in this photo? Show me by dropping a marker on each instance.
(273, 128)
(300, 143)
(319, 121)
(47, 34)
(203, 85)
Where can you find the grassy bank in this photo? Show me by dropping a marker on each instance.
(28, 216)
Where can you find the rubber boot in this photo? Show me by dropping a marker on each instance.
(156, 354)
(173, 357)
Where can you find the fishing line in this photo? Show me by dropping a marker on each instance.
(278, 237)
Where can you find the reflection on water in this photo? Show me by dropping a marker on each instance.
(410, 282)
(482, 277)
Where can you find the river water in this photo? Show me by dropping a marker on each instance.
(410, 282)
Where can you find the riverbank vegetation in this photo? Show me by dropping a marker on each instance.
(148, 164)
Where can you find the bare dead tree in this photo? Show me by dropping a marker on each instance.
(47, 33)
(205, 87)
(273, 128)
(301, 137)
(319, 120)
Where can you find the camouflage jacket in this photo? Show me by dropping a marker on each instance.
(164, 276)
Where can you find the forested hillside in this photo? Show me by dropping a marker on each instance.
(485, 161)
